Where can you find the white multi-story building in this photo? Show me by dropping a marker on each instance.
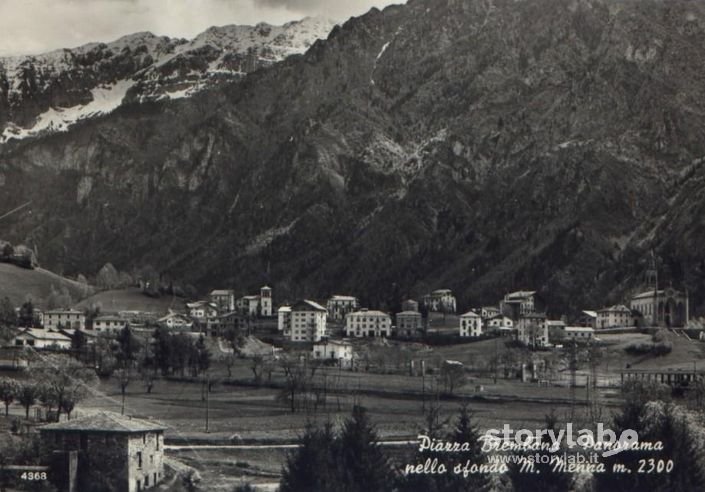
(284, 320)
(341, 306)
(470, 324)
(532, 330)
(619, 316)
(223, 299)
(366, 323)
(500, 323)
(409, 323)
(579, 333)
(517, 304)
(334, 350)
(64, 318)
(307, 321)
(441, 300)
(201, 311)
(108, 324)
(176, 321)
(259, 305)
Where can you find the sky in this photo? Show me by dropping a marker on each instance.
(38, 26)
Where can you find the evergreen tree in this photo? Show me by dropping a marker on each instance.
(363, 466)
(542, 478)
(26, 318)
(664, 422)
(8, 317)
(466, 431)
(312, 466)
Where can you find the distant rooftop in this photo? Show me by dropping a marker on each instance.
(42, 334)
(470, 314)
(660, 292)
(222, 292)
(307, 305)
(615, 308)
(368, 313)
(520, 294)
(104, 422)
(343, 298)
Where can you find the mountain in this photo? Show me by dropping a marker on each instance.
(479, 145)
(50, 92)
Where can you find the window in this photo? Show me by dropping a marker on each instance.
(139, 459)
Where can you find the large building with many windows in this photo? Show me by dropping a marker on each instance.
(366, 323)
(341, 306)
(470, 324)
(441, 300)
(409, 324)
(64, 318)
(306, 321)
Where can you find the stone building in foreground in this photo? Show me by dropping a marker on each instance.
(114, 452)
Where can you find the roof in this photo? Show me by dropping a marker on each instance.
(222, 292)
(409, 313)
(578, 329)
(520, 294)
(250, 298)
(104, 422)
(553, 322)
(592, 314)
(63, 311)
(442, 292)
(284, 309)
(619, 307)
(660, 292)
(499, 316)
(307, 305)
(173, 315)
(343, 298)
(197, 304)
(470, 314)
(110, 318)
(41, 334)
(266, 287)
(368, 313)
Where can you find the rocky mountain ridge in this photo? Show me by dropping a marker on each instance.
(478, 145)
(50, 92)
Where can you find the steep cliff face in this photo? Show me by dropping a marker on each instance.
(475, 145)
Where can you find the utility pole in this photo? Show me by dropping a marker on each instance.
(207, 399)
(496, 361)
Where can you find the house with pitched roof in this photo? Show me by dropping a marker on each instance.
(126, 453)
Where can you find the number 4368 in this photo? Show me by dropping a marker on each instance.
(34, 476)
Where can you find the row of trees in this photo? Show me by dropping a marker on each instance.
(57, 385)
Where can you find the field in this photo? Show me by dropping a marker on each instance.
(130, 300)
(250, 431)
(18, 283)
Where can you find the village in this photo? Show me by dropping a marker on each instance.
(308, 353)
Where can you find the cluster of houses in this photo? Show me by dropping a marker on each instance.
(516, 315)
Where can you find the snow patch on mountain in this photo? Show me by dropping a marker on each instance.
(105, 100)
